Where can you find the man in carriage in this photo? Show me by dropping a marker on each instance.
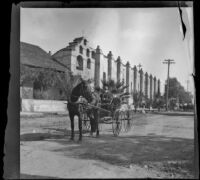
(106, 99)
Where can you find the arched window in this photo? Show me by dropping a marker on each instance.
(88, 53)
(88, 63)
(81, 49)
(85, 42)
(79, 63)
(131, 86)
(93, 54)
(104, 76)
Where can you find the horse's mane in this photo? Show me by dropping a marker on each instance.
(80, 89)
(76, 81)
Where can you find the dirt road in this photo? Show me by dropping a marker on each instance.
(158, 146)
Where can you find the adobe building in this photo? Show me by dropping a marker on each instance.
(91, 63)
(34, 59)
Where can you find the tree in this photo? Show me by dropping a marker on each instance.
(177, 91)
(114, 87)
(138, 98)
(27, 74)
(44, 79)
(66, 81)
(148, 102)
(158, 101)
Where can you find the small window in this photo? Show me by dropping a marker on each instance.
(81, 49)
(85, 42)
(88, 63)
(88, 53)
(79, 63)
(104, 76)
(131, 86)
(93, 54)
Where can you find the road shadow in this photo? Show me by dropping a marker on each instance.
(28, 176)
(174, 113)
(126, 150)
(53, 133)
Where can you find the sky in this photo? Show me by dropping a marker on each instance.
(139, 35)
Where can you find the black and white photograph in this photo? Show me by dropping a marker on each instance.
(107, 92)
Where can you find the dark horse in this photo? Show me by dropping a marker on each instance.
(83, 91)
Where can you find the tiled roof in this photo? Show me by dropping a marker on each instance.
(33, 55)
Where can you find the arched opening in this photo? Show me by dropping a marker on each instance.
(88, 63)
(81, 49)
(88, 52)
(93, 54)
(85, 42)
(131, 87)
(104, 76)
(79, 63)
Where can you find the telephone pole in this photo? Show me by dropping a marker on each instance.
(168, 62)
(187, 84)
(139, 66)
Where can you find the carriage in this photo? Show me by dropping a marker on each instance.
(105, 107)
(115, 109)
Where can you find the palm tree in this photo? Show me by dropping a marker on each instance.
(66, 82)
(158, 101)
(138, 98)
(114, 87)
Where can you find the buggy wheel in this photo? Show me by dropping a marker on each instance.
(84, 117)
(127, 121)
(85, 121)
(116, 123)
(123, 119)
(132, 117)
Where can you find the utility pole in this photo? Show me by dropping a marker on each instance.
(168, 62)
(187, 84)
(139, 66)
(140, 92)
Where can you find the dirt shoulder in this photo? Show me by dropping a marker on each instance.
(157, 146)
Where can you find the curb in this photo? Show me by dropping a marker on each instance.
(175, 114)
(41, 114)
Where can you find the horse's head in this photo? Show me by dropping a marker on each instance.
(83, 89)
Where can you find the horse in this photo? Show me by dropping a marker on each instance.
(82, 92)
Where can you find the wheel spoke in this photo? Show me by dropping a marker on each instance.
(116, 123)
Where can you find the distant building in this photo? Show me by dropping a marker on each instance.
(90, 63)
(34, 59)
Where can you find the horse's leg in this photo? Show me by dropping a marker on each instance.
(91, 124)
(72, 127)
(97, 122)
(80, 127)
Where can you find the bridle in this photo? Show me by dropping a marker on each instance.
(82, 92)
